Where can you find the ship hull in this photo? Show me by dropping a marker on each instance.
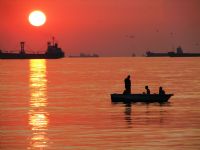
(172, 54)
(151, 54)
(158, 55)
(185, 55)
(29, 56)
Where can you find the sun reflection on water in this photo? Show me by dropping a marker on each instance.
(38, 116)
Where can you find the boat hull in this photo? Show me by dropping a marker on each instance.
(145, 98)
(184, 55)
(172, 54)
(151, 54)
(29, 56)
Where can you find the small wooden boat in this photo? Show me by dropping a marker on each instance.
(145, 98)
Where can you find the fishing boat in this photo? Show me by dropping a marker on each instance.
(52, 52)
(145, 98)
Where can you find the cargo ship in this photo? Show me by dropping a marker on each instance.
(84, 55)
(152, 54)
(52, 52)
(179, 53)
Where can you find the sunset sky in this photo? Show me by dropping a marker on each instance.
(106, 27)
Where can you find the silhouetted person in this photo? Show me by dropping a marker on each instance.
(127, 83)
(147, 89)
(161, 91)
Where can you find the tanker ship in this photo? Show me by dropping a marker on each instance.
(179, 53)
(52, 52)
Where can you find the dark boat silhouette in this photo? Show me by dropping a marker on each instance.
(179, 53)
(52, 52)
(152, 54)
(145, 98)
(84, 55)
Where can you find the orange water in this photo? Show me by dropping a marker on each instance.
(65, 104)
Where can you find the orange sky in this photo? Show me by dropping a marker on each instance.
(106, 27)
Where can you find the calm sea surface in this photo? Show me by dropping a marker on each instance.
(65, 104)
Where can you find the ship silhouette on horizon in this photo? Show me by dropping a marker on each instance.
(85, 55)
(179, 53)
(52, 52)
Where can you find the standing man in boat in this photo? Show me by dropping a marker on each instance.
(127, 83)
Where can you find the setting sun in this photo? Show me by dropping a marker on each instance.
(37, 18)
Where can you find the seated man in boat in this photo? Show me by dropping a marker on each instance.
(127, 83)
(161, 91)
(147, 89)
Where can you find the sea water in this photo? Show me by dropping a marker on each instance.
(65, 104)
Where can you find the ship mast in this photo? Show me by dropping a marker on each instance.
(53, 39)
(22, 48)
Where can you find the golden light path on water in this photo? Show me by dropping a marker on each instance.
(38, 116)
